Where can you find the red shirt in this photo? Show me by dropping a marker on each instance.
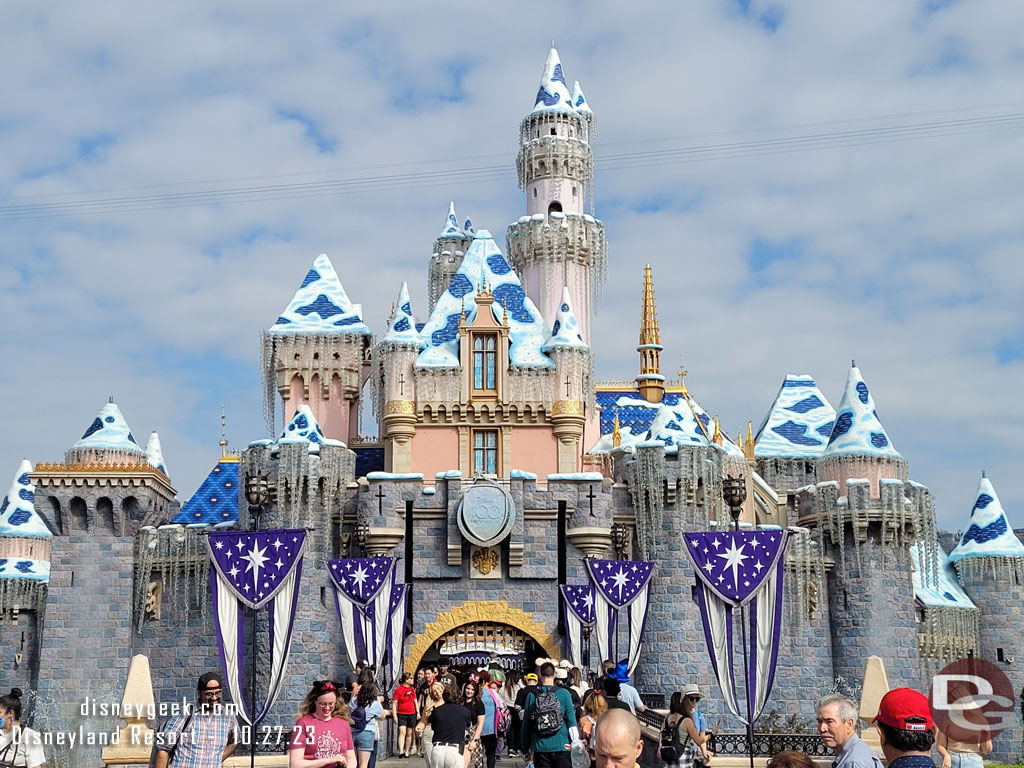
(322, 738)
(405, 695)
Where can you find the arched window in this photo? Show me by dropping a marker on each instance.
(485, 362)
(555, 207)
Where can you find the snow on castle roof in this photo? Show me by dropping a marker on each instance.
(320, 305)
(565, 333)
(451, 224)
(798, 424)
(579, 101)
(109, 432)
(990, 533)
(304, 428)
(402, 331)
(18, 516)
(858, 431)
(944, 593)
(482, 263)
(155, 453)
(553, 94)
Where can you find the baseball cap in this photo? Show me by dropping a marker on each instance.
(905, 709)
(532, 676)
(691, 690)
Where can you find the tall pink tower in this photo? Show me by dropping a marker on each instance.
(558, 243)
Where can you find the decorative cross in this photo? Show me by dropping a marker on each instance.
(380, 501)
(568, 381)
(401, 383)
(590, 498)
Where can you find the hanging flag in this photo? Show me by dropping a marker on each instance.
(578, 607)
(620, 584)
(396, 630)
(362, 593)
(255, 569)
(740, 571)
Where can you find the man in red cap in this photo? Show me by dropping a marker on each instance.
(904, 721)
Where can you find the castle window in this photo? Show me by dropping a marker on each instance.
(555, 207)
(574, 191)
(553, 133)
(534, 191)
(485, 451)
(485, 362)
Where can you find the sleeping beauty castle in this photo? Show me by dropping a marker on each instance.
(501, 472)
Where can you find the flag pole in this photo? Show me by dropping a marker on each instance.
(735, 492)
(257, 494)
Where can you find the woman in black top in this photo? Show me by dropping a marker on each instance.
(471, 700)
(449, 722)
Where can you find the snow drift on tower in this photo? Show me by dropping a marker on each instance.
(320, 306)
(857, 431)
(798, 424)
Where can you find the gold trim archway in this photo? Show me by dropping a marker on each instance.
(473, 611)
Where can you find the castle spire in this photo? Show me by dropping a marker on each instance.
(748, 445)
(451, 223)
(650, 382)
(718, 439)
(553, 93)
(616, 431)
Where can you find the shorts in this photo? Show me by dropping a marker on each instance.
(364, 739)
(407, 721)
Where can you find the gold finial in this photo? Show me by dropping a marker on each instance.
(717, 439)
(504, 314)
(682, 375)
(649, 332)
(616, 431)
(650, 382)
(739, 439)
(223, 433)
(462, 314)
(748, 446)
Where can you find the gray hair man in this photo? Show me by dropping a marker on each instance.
(837, 727)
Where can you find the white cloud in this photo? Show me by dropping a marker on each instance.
(907, 254)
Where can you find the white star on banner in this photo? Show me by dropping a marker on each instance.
(279, 565)
(256, 560)
(716, 543)
(360, 576)
(620, 580)
(240, 545)
(220, 545)
(708, 566)
(759, 565)
(233, 572)
(588, 601)
(278, 544)
(734, 558)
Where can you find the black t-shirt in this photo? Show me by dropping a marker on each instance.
(450, 722)
(614, 702)
(476, 709)
(523, 693)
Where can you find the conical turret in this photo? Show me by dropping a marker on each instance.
(650, 382)
(25, 547)
(155, 453)
(402, 331)
(553, 93)
(565, 333)
(108, 439)
(989, 534)
(449, 250)
(859, 446)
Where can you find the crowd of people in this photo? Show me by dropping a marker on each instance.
(552, 718)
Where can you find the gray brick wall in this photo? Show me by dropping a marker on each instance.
(19, 636)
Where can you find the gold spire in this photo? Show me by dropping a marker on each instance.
(748, 446)
(650, 382)
(717, 439)
(682, 376)
(616, 431)
(223, 434)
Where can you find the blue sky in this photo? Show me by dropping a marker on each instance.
(902, 254)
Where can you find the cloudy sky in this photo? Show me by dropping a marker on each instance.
(811, 182)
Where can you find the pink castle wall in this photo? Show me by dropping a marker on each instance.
(534, 449)
(435, 449)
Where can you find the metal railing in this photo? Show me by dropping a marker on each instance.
(769, 744)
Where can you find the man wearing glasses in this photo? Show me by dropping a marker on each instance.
(202, 737)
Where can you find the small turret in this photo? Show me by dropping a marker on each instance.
(155, 453)
(449, 249)
(573, 383)
(25, 546)
(395, 382)
(650, 382)
(108, 440)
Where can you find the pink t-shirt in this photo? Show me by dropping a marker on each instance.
(322, 738)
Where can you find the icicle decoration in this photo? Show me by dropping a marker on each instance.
(294, 509)
(807, 566)
(948, 633)
(23, 595)
(999, 569)
(647, 487)
(178, 557)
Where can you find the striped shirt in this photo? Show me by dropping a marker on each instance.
(202, 743)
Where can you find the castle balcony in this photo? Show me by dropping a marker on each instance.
(550, 156)
(539, 238)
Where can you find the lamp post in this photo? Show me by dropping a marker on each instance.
(734, 492)
(620, 538)
(586, 629)
(257, 495)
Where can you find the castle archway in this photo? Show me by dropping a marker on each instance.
(476, 612)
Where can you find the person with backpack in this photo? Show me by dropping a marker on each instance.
(366, 711)
(322, 737)
(681, 743)
(549, 722)
(198, 737)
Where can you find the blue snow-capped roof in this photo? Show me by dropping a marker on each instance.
(672, 422)
(451, 229)
(989, 533)
(798, 424)
(304, 428)
(216, 500)
(579, 101)
(402, 331)
(155, 453)
(944, 593)
(24, 568)
(565, 333)
(553, 94)
(677, 425)
(858, 431)
(635, 413)
(109, 432)
(484, 263)
(320, 305)
(18, 516)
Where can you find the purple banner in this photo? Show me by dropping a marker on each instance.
(579, 598)
(619, 581)
(734, 564)
(361, 578)
(255, 564)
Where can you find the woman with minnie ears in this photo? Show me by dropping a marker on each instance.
(322, 737)
(18, 746)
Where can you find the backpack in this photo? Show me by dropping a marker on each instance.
(174, 748)
(547, 713)
(358, 715)
(502, 717)
(672, 751)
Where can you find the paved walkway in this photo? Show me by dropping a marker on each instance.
(419, 762)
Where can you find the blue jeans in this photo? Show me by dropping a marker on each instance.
(965, 760)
